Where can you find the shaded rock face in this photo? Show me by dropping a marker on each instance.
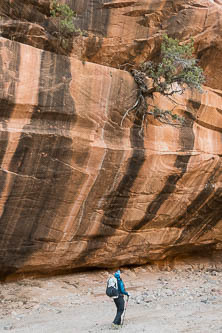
(78, 190)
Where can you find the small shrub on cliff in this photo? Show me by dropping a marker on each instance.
(177, 66)
(65, 16)
(176, 71)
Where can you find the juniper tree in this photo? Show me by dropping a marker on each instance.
(64, 18)
(177, 70)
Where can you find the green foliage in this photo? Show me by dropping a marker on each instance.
(176, 71)
(177, 65)
(167, 116)
(65, 15)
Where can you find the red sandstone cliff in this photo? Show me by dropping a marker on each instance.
(77, 190)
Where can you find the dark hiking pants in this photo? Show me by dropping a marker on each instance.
(120, 309)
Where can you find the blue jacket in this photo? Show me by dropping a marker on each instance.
(121, 287)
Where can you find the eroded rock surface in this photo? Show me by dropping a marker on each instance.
(78, 190)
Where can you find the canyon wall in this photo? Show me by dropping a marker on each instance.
(77, 189)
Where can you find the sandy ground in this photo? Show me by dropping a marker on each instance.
(187, 299)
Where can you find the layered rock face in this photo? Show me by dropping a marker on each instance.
(77, 189)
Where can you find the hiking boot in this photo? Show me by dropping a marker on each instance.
(115, 327)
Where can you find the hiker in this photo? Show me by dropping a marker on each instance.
(119, 300)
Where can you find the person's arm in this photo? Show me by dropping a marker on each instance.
(122, 288)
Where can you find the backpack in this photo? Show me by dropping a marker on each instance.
(112, 288)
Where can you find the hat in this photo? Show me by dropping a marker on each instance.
(117, 274)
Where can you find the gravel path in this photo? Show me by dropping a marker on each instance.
(188, 299)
